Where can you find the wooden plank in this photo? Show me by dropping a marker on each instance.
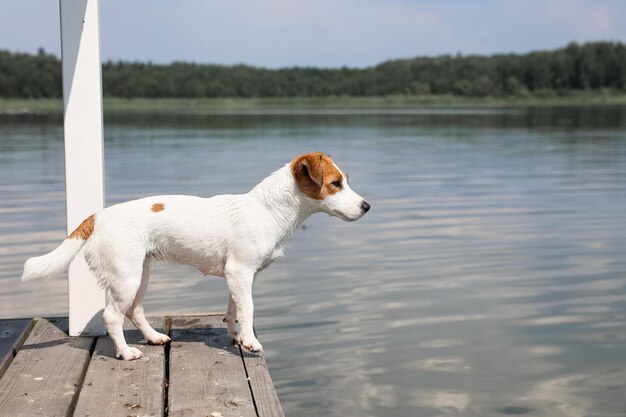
(207, 376)
(46, 373)
(115, 387)
(263, 391)
(12, 336)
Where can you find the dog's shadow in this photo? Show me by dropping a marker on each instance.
(185, 341)
(212, 338)
(56, 329)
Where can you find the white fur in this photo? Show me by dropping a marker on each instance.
(346, 204)
(53, 263)
(232, 236)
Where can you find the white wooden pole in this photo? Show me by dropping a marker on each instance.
(84, 164)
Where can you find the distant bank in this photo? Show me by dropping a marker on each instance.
(559, 75)
(215, 105)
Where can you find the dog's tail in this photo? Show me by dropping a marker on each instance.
(56, 262)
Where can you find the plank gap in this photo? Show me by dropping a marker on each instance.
(45, 375)
(166, 367)
(72, 405)
(14, 343)
(206, 372)
(262, 387)
(245, 369)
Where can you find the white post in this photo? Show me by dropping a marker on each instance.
(84, 164)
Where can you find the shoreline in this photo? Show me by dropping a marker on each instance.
(410, 104)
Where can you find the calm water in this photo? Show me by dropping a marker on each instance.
(488, 279)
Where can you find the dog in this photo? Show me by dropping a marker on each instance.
(230, 236)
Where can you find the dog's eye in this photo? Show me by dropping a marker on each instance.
(336, 183)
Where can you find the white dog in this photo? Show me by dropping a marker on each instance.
(232, 236)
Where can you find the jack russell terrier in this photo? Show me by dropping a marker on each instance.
(231, 236)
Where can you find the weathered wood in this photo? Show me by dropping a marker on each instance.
(207, 375)
(12, 336)
(206, 372)
(261, 385)
(113, 387)
(46, 373)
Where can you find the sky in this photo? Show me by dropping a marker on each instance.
(321, 33)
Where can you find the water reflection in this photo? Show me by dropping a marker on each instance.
(487, 280)
(442, 402)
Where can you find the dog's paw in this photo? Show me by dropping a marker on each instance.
(158, 339)
(130, 354)
(249, 343)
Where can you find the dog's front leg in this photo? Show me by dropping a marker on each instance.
(239, 282)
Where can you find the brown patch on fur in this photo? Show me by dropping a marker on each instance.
(314, 174)
(85, 229)
(157, 207)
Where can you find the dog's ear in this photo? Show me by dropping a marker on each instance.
(313, 167)
(308, 171)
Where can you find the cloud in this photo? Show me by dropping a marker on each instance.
(273, 33)
(586, 20)
(326, 33)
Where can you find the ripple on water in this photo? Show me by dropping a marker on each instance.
(488, 278)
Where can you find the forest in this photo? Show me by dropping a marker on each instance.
(577, 67)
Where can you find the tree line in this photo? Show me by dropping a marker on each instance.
(589, 66)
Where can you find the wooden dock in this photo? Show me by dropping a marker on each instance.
(44, 372)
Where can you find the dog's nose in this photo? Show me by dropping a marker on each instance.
(365, 206)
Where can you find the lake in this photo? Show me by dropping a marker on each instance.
(488, 279)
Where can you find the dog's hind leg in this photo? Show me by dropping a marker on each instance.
(137, 316)
(117, 265)
(119, 301)
(121, 275)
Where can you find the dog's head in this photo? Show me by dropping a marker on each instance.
(319, 179)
